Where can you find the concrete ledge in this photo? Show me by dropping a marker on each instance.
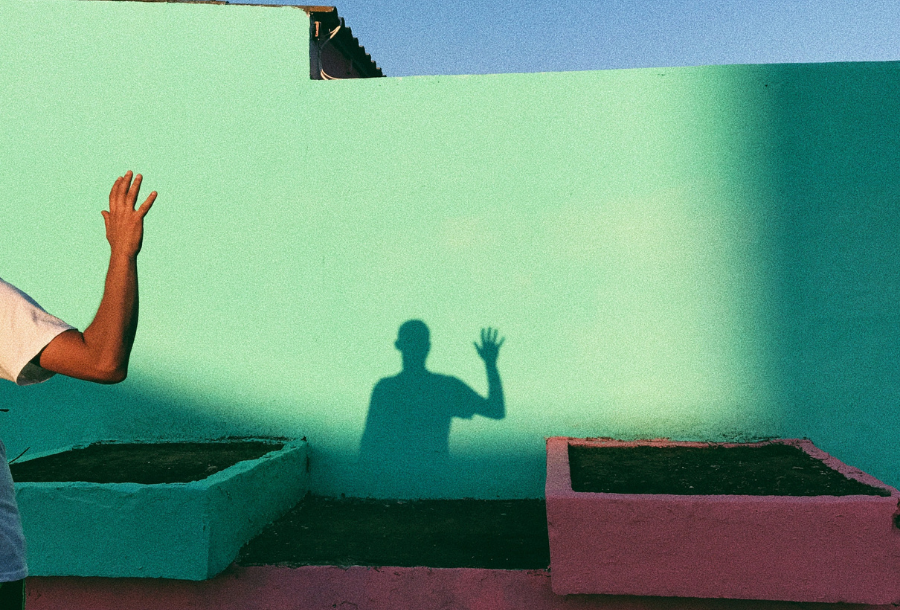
(178, 530)
(812, 548)
(329, 587)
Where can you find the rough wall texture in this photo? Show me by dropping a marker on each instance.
(697, 253)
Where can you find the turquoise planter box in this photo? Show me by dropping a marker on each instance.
(189, 531)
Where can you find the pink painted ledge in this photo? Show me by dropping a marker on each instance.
(825, 549)
(359, 588)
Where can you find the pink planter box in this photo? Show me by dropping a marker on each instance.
(793, 548)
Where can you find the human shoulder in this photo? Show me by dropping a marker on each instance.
(9, 294)
(448, 381)
(385, 387)
(387, 382)
(25, 329)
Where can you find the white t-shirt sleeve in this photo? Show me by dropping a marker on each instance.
(25, 329)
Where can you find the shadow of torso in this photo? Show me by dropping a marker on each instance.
(410, 414)
(406, 438)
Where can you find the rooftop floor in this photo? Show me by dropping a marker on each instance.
(329, 553)
(494, 534)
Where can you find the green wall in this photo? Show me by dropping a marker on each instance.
(696, 253)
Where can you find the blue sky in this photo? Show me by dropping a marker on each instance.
(406, 37)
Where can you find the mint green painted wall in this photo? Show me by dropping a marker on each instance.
(697, 253)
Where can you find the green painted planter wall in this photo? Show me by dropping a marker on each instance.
(696, 253)
(188, 531)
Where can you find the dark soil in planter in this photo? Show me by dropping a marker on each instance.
(498, 534)
(146, 463)
(768, 470)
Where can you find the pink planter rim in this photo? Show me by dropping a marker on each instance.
(560, 483)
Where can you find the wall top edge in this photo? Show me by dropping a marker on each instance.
(307, 8)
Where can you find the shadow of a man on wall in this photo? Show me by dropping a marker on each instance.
(407, 431)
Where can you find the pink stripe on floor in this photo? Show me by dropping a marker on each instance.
(359, 588)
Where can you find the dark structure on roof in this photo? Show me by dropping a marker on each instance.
(334, 53)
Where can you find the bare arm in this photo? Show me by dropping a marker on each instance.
(101, 352)
(489, 349)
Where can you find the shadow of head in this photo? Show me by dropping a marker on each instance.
(414, 342)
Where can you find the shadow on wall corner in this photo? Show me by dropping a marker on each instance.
(64, 411)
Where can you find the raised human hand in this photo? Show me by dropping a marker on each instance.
(490, 347)
(124, 224)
